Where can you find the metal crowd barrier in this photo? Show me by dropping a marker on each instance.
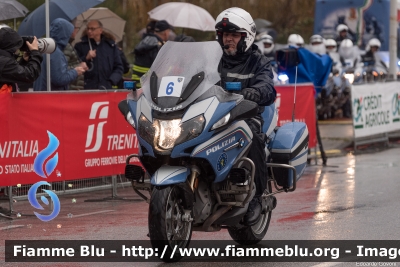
(20, 192)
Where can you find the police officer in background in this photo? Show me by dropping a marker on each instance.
(242, 63)
(27, 70)
(266, 46)
(147, 49)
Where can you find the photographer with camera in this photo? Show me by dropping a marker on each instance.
(61, 31)
(11, 71)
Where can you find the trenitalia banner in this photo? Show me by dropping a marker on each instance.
(376, 109)
(304, 108)
(76, 135)
(94, 139)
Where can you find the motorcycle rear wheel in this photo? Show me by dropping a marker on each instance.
(250, 235)
(167, 231)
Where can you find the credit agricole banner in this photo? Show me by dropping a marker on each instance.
(376, 108)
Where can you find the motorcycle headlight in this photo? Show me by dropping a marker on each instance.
(350, 77)
(165, 134)
(146, 130)
(191, 129)
(283, 78)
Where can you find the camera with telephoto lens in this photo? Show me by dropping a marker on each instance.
(45, 45)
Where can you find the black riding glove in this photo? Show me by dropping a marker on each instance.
(251, 94)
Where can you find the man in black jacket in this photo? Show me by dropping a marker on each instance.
(242, 63)
(147, 49)
(102, 57)
(12, 71)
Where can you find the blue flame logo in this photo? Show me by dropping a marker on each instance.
(32, 199)
(44, 154)
(38, 168)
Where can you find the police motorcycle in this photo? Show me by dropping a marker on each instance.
(193, 143)
(375, 68)
(350, 57)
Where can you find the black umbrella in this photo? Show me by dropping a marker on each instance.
(10, 9)
(35, 22)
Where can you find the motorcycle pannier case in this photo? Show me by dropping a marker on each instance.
(289, 147)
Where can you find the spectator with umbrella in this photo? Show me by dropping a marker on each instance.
(35, 22)
(102, 55)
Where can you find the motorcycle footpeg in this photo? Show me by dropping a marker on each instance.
(269, 203)
(134, 173)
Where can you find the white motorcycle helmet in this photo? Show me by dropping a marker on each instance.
(330, 45)
(341, 27)
(317, 44)
(316, 39)
(235, 19)
(373, 42)
(346, 49)
(267, 39)
(295, 40)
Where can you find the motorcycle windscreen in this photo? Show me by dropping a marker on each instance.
(181, 73)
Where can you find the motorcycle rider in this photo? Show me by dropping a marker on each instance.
(330, 45)
(241, 62)
(317, 44)
(371, 58)
(266, 46)
(349, 54)
(331, 50)
(342, 33)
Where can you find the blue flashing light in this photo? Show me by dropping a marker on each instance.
(283, 77)
(233, 86)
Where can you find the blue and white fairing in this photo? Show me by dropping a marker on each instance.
(181, 113)
(290, 146)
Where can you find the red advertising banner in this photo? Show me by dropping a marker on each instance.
(304, 110)
(94, 139)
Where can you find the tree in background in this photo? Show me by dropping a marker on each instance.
(287, 16)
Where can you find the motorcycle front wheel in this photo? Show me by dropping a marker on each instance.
(167, 228)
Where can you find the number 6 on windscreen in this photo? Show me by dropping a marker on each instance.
(171, 86)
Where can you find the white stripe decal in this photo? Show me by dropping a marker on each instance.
(240, 76)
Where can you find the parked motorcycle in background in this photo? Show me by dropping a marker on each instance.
(193, 145)
(350, 57)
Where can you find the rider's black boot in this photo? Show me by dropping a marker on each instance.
(253, 212)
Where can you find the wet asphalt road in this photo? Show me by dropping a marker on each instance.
(353, 198)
